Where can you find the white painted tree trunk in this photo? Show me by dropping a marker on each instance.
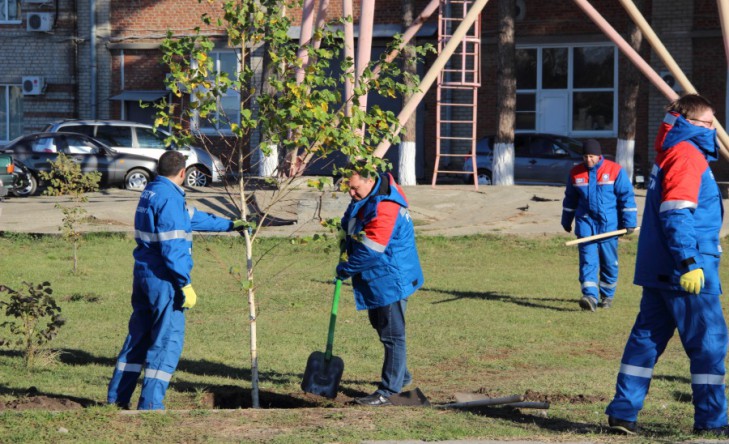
(268, 165)
(407, 164)
(624, 156)
(502, 172)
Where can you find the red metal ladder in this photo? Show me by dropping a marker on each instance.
(457, 92)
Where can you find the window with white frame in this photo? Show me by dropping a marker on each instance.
(9, 11)
(228, 111)
(575, 85)
(11, 112)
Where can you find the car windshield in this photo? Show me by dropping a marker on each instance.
(570, 143)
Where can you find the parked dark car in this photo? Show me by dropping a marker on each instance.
(540, 159)
(35, 152)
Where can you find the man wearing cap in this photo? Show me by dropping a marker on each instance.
(599, 197)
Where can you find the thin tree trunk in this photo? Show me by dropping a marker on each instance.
(249, 254)
(407, 145)
(503, 159)
(627, 115)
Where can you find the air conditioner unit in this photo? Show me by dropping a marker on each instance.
(33, 85)
(671, 80)
(39, 21)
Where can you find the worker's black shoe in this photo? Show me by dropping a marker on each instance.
(716, 431)
(605, 302)
(624, 427)
(588, 303)
(373, 400)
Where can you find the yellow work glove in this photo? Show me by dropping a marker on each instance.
(693, 281)
(190, 296)
(238, 223)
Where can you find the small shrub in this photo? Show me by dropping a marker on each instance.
(37, 319)
(67, 179)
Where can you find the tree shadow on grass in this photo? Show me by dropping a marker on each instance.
(554, 304)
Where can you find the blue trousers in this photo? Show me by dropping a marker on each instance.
(599, 268)
(389, 322)
(703, 333)
(154, 343)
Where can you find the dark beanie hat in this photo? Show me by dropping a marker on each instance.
(591, 146)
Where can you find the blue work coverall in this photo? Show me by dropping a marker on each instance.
(680, 232)
(163, 226)
(599, 199)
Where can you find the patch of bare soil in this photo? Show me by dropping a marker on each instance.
(230, 397)
(40, 402)
(552, 398)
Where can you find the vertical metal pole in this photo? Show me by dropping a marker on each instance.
(347, 11)
(364, 43)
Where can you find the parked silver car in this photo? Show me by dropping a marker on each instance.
(540, 159)
(35, 152)
(144, 140)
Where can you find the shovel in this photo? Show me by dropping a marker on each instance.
(324, 371)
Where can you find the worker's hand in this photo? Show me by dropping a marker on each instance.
(190, 296)
(567, 228)
(693, 281)
(238, 223)
(341, 273)
(630, 230)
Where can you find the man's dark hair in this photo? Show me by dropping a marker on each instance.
(362, 168)
(690, 106)
(170, 163)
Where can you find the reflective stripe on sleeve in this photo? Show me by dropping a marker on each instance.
(676, 205)
(157, 374)
(373, 245)
(628, 210)
(569, 210)
(707, 379)
(634, 370)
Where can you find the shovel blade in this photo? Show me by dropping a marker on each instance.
(322, 377)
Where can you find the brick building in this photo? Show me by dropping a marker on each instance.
(99, 58)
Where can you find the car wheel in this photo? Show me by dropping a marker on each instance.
(28, 185)
(196, 177)
(484, 177)
(136, 179)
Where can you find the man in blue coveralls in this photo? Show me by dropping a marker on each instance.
(599, 198)
(678, 267)
(162, 289)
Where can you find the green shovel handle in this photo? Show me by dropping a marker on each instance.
(333, 319)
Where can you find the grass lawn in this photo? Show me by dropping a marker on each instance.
(497, 315)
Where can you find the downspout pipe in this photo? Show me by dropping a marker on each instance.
(92, 57)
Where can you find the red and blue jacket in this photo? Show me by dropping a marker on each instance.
(599, 199)
(382, 256)
(683, 209)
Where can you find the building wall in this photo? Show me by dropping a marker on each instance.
(51, 55)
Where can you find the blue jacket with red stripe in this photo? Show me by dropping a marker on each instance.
(163, 226)
(600, 199)
(683, 209)
(382, 256)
